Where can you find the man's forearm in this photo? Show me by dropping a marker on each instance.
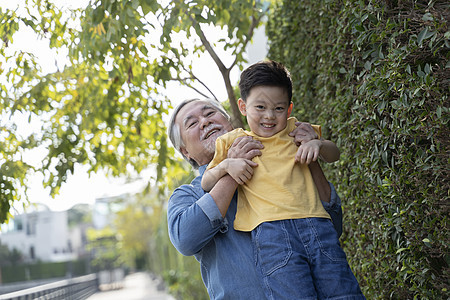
(223, 192)
(329, 151)
(321, 182)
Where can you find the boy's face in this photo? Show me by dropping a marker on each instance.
(267, 109)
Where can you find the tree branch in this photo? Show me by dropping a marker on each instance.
(249, 36)
(208, 46)
(200, 81)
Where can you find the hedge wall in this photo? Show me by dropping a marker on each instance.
(375, 74)
(41, 270)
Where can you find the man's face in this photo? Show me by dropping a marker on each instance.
(200, 124)
(267, 109)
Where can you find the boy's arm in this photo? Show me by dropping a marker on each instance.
(240, 169)
(211, 176)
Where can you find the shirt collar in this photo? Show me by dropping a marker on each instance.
(202, 169)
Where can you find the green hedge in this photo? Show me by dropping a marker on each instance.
(41, 270)
(33, 272)
(180, 273)
(376, 76)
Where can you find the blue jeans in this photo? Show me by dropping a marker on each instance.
(302, 259)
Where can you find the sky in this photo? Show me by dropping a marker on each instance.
(81, 187)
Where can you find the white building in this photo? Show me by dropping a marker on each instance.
(40, 235)
(45, 235)
(106, 208)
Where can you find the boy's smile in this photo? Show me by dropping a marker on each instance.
(267, 109)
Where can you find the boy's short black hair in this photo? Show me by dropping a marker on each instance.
(265, 73)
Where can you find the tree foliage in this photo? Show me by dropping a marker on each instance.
(9, 257)
(376, 76)
(105, 106)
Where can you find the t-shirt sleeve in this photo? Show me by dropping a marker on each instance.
(220, 154)
(291, 126)
(318, 130)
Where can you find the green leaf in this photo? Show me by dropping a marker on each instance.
(421, 36)
(401, 250)
(427, 17)
(439, 112)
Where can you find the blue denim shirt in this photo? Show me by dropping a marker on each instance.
(197, 228)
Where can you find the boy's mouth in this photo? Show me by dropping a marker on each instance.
(268, 125)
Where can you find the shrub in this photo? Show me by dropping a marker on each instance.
(375, 75)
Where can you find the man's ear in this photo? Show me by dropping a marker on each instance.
(184, 152)
(290, 109)
(242, 107)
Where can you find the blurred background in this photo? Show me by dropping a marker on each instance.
(86, 169)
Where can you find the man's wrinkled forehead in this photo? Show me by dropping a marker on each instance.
(195, 112)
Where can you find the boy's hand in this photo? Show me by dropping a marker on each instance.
(303, 133)
(240, 169)
(308, 152)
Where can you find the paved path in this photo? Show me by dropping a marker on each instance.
(136, 286)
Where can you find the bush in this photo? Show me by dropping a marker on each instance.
(180, 273)
(376, 77)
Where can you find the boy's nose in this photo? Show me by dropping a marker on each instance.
(269, 114)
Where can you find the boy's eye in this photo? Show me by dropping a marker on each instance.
(209, 113)
(259, 106)
(279, 108)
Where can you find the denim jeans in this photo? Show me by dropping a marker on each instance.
(302, 259)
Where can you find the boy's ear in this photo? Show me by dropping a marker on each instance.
(290, 109)
(242, 107)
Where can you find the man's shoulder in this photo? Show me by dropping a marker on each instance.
(188, 188)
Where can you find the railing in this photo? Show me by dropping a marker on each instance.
(73, 289)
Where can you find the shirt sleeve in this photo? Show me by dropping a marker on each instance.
(193, 220)
(334, 209)
(317, 129)
(291, 126)
(220, 154)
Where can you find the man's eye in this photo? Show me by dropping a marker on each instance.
(191, 124)
(210, 113)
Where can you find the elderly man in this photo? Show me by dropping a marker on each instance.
(200, 223)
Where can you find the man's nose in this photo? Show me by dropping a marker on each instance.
(204, 121)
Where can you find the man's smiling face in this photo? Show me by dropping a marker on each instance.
(200, 124)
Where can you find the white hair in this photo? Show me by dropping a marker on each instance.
(174, 130)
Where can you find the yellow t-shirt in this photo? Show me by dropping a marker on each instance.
(280, 188)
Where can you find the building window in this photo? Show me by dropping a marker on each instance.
(31, 226)
(18, 224)
(32, 255)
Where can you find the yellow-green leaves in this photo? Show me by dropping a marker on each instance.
(103, 104)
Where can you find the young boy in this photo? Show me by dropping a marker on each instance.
(297, 250)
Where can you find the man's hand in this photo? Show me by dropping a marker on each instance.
(303, 133)
(245, 147)
(240, 169)
(308, 152)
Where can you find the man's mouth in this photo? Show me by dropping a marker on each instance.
(211, 132)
